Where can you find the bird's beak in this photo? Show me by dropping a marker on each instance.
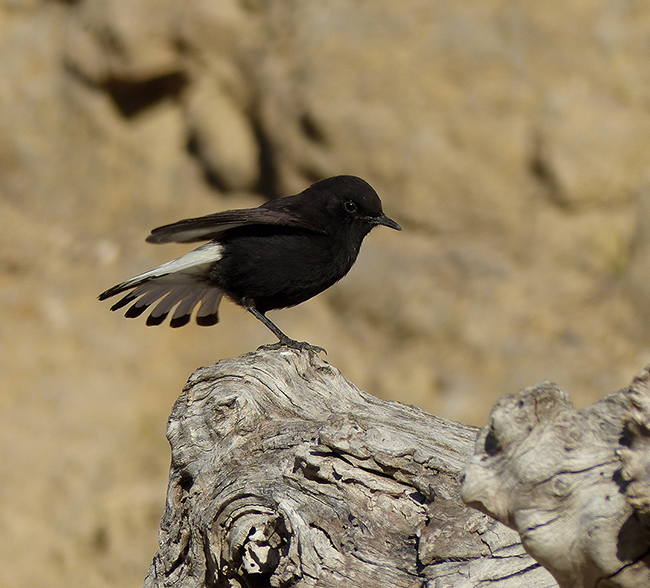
(387, 222)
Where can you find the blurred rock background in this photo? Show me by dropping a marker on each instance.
(510, 139)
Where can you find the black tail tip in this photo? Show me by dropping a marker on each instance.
(154, 321)
(208, 320)
(179, 321)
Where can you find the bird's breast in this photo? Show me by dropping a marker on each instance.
(278, 270)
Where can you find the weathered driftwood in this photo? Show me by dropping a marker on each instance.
(573, 483)
(635, 452)
(285, 474)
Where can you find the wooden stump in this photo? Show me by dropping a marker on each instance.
(285, 474)
(635, 451)
(574, 483)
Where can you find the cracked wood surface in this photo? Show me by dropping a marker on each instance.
(635, 451)
(574, 483)
(285, 474)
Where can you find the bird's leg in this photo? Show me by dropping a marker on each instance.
(284, 341)
(270, 325)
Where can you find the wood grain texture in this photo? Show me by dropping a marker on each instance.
(285, 474)
(571, 482)
(635, 451)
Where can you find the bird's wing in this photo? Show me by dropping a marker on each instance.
(209, 227)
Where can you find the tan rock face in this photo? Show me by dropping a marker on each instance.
(509, 140)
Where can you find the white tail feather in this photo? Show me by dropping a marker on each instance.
(175, 295)
(187, 304)
(210, 303)
(174, 271)
(148, 293)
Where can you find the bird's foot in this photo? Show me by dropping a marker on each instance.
(292, 344)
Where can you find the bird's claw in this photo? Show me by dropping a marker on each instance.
(292, 344)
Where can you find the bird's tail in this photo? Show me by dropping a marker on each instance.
(181, 283)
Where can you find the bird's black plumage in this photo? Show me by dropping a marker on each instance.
(274, 256)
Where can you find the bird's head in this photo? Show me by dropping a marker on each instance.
(352, 202)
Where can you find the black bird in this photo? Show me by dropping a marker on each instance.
(274, 256)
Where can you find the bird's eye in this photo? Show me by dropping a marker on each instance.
(350, 206)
